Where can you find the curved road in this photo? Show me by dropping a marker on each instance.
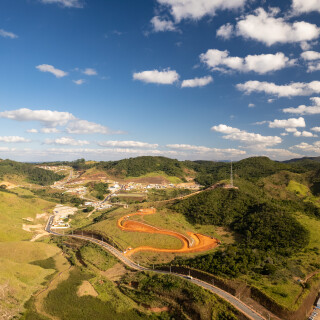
(236, 303)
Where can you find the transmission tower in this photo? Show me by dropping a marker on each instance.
(231, 176)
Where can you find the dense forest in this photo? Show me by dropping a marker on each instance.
(28, 171)
(261, 213)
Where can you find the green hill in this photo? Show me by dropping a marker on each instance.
(29, 172)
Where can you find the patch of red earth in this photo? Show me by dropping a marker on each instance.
(198, 242)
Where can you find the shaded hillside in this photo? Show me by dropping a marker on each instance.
(28, 172)
(135, 167)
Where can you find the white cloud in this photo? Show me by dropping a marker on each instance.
(13, 139)
(65, 3)
(305, 110)
(251, 105)
(159, 24)
(202, 149)
(197, 9)
(32, 131)
(279, 153)
(7, 34)
(305, 134)
(86, 127)
(166, 76)
(79, 82)
(51, 69)
(196, 82)
(313, 60)
(310, 55)
(67, 141)
(263, 63)
(270, 100)
(290, 90)
(90, 72)
(303, 146)
(246, 137)
(291, 130)
(289, 123)
(127, 144)
(304, 45)
(305, 6)
(50, 130)
(46, 117)
(313, 66)
(283, 134)
(225, 31)
(51, 119)
(316, 129)
(267, 28)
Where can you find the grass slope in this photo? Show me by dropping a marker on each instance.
(125, 239)
(13, 209)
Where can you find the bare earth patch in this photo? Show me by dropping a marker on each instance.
(86, 289)
(115, 273)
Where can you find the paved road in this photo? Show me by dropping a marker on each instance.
(236, 303)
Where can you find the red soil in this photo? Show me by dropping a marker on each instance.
(194, 243)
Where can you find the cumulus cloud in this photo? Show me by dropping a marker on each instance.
(305, 6)
(306, 110)
(196, 82)
(46, 117)
(32, 131)
(51, 69)
(165, 76)
(263, 63)
(312, 59)
(51, 119)
(49, 130)
(65, 3)
(288, 123)
(79, 82)
(310, 55)
(160, 24)
(197, 9)
(67, 141)
(86, 127)
(7, 34)
(303, 146)
(127, 144)
(305, 134)
(13, 139)
(90, 72)
(267, 28)
(279, 153)
(290, 90)
(202, 149)
(246, 137)
(316, 129)
(251, 105)
(225, 31)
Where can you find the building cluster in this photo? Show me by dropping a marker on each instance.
(98, 205)
(61, 214)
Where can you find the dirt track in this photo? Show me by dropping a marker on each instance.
(195, 242)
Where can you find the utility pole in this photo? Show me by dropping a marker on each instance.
(231, 175)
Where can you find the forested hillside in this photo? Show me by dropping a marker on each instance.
(28, 172)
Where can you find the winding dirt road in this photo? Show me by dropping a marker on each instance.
(195, 242)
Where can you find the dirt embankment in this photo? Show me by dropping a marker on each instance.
(194, 242)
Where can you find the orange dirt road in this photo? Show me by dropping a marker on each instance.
(195, 242)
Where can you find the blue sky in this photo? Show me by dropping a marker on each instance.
(187, 79)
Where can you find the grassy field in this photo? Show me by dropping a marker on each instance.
(13, 209)
(26, 252)
(171, 179)
(19, 278)
(131, 239)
